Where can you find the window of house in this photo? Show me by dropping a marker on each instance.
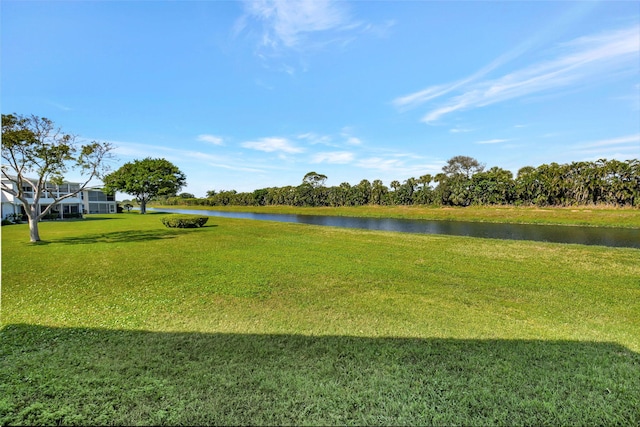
(97, 196)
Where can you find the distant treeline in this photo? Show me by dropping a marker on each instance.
(462, 182)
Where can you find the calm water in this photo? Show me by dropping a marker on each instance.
(616, 237)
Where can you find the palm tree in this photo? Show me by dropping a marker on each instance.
(379, 192)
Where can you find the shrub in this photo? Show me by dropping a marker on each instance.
(6, 222)
(184, 221)
(16, 217)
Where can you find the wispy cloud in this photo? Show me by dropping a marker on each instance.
(629, 140)
(335, 157)
(135, 150)
(273, 144)
(59, 106)
(236, 168)
(580, 61)
(314, 138)
(289, 23)
(347, 134)
(380, 163)
(623, 147)
(417, 98)
(212, 139)
(399, 166)
(492, 141)
(460, 130)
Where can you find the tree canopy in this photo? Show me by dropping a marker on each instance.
(462, 165)
(146, 180)
(462, 182)
(314, 179)
(36, 154)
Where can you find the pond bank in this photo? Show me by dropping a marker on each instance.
(603, 236)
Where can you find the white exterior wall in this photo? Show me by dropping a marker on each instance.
(9, 205)
(87, 201)
(95, 201)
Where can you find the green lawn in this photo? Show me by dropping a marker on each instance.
(118, 320)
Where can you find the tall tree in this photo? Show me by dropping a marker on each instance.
(462, 165)
(403, 194)
(456, 184)
(362, 193)
(146, 180)
(35, 153)
(424, 194)
(379, 192)
(314, 179)
(527, 185)
(493, 187)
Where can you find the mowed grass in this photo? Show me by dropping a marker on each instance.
(119, 320)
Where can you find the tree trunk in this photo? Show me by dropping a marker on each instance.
(143, 207)
(34, 234)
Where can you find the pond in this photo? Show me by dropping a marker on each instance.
(604, 236)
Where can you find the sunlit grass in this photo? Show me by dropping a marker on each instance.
(258, 322)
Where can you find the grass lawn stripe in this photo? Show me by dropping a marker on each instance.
(119, 320)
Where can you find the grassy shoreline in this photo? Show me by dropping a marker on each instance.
(582, 216)
(116, 319)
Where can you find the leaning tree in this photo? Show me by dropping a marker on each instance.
(35, 153)
(146, 180)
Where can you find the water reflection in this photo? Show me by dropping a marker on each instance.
(614, 237)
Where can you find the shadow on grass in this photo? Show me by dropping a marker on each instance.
(93, 218)
(125, 236)
(93, 376)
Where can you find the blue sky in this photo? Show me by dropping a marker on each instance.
(247, 95)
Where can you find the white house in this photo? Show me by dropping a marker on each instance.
(87, 201)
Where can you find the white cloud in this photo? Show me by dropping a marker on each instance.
(134, 150)
(492, 141)
(287, 23)
(622, 148)
(236, 168)
(399, 166)
(137, 150)
(633, 141)
(460, 130)
(420, 97)
(273, 144)
(337, 157)
(432, 92)
(347, 133)
(212, 139)
(580, 61)
(314, 138)
(380, 163)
